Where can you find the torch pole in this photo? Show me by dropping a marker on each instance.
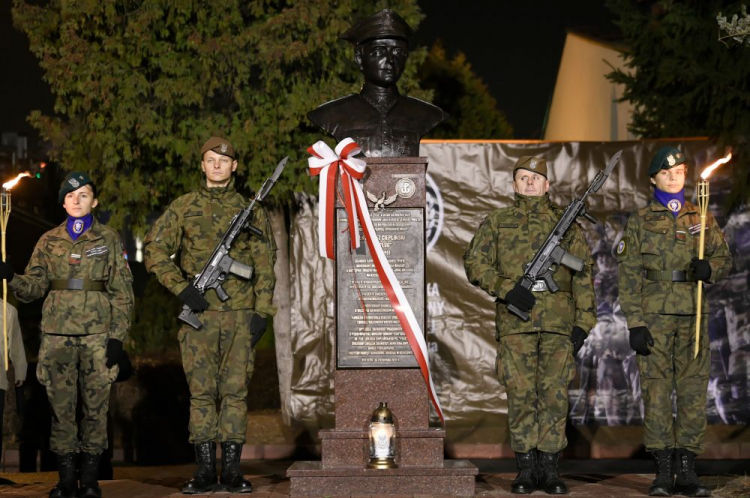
(703, 206)
(4, 216)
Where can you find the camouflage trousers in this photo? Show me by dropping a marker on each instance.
(218, 363)
(535, 369)
(67, 363)
(671, 367)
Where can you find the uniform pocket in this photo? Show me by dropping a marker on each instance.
(653, 246)
(504, 367)
(509, 263)
(57, 248)
(42, 367)
(98, 268)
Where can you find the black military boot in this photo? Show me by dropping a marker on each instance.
(204, 479)
(525, 481)
(68, 485)
(687, 482)
(231, 475)
(662, 485)
(549, 480)
(90, 476)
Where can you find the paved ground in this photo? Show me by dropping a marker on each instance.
(268, 478)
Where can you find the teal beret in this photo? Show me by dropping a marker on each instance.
(73, 181)
(665, 158)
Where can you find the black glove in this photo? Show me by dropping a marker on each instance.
(521, 298)
(640, 340)
(6, 271)
(126, 368)
(701, 269)
(193, 298)
(258, 326)
(114, 351)
(577, 338)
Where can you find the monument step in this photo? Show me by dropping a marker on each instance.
(350, 449)
(455, 478)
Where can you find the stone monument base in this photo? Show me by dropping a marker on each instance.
(453, 477)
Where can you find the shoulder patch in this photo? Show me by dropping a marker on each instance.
(622, 248)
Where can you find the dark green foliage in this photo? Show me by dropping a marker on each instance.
(682, 80)
(155, 324)
(141, 84)
(460, 92)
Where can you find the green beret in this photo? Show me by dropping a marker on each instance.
(665, 158)
(74, 181)
(220, 146)
(531, 163)
(384, 24)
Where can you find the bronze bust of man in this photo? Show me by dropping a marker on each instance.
(382, 121)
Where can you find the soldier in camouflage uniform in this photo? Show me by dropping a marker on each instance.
(658, 274)
(85, 318)
(218, 358)
(535, 360)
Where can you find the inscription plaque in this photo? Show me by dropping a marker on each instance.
(371, 336)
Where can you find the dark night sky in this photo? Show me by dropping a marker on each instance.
(515, 47)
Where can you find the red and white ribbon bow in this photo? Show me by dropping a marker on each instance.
(325, 163)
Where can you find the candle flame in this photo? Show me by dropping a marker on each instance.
(711, 168)
(9, 185)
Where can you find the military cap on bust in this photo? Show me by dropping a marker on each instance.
(665, 158)
(384, 24)
(220, 146)
(531, 163)
(73, 181)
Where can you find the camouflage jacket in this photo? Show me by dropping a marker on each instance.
(505, 242)
(655, 240)
(192, 227)
(97, 255)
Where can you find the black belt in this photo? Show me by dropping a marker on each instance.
(668, 276)
(83, 284)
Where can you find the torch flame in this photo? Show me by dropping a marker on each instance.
(9, 185)
(710, 169)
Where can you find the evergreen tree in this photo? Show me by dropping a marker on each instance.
(140, 84)
(683, 80)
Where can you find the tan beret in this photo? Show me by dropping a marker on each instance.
(220, 146)
(531, 163)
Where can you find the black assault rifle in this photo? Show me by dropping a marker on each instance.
(551, 255)
(220, 264)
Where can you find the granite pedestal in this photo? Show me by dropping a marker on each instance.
(368, 338)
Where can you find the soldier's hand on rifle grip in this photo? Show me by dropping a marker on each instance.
(521, 297)
(640, 340)
(6, 271)
(701, 269)
(193, 298)
(577, 337)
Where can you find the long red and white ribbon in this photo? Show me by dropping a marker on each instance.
(325, 163)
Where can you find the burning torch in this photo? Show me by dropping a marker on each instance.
(703, 207)
(4, 216)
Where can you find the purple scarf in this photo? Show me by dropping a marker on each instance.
(76, 226)
(673, 202)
